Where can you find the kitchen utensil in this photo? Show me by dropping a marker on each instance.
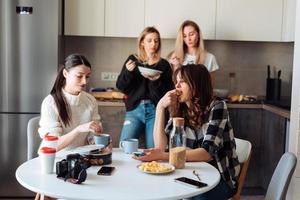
(269, 71)
(197, 175)
(278, 74)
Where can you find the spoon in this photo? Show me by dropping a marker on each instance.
(196, 174)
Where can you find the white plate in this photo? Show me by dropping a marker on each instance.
(86, 149)
(148, 71)
(165, 172)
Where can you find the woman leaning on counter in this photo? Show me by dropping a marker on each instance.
(143, 92)
(209, 132)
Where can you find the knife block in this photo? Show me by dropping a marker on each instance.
(273, 91)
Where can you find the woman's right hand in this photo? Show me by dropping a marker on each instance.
(130, 65)
(91, 126)
(169, 99)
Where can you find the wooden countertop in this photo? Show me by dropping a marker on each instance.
(274, 109)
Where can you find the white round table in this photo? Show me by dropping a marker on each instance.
(126, 182)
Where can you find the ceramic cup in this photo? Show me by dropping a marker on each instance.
(102, 139)
(129, 145)
(47, 157)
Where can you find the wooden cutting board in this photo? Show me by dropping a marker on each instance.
(108, 95)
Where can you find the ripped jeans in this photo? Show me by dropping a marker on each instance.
(140, 121)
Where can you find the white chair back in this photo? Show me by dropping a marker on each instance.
(243, 149)
(33, 138)
(281, 177)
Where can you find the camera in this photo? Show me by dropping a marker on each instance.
(73, 167)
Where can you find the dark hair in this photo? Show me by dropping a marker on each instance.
(199, 80)
(62, 105)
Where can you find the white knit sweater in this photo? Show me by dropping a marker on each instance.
(83, 109)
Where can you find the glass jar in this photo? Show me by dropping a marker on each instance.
(177, 145)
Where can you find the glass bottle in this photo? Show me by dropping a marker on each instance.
(177, 145)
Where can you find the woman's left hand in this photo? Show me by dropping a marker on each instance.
(151, 78)
(152, 154)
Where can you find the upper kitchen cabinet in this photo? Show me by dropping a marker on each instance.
(168, 15)
(84, 18)
(255, 20)
(124, 18)
(289, 20)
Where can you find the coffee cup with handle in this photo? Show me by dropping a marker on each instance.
(102, 139)
(129, 145)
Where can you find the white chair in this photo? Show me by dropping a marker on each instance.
(281, 177)
(33, 143)
(33, 138)
(243, 150)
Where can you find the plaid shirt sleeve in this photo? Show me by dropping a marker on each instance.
(215, 127)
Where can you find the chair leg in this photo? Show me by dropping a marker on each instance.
(37, 196)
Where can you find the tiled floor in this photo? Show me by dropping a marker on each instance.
(252, 197)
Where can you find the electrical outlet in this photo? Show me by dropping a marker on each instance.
(109, 76)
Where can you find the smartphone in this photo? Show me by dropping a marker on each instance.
(190, 182)
(106, 171)
(138, 153)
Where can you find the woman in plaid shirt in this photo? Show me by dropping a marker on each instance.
(209, 132)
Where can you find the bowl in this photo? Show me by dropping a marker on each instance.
(148, 71)
(222, 93)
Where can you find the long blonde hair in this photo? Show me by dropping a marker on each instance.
(181, 47)
(141, 50)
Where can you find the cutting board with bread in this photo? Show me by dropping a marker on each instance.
(109, 95)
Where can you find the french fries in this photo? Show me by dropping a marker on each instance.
(154, 167)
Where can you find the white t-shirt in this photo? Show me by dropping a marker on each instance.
(83, 109)
(210, 61)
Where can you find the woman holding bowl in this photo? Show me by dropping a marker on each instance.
(143, 89)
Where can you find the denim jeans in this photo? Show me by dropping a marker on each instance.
(221, 192)
(140, 121)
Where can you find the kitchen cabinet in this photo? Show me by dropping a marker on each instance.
(124, 18)
(266, 132)
(273, 147)
(112, 118)
(247, 124)
(168, 15)
(84, 18)
(268, 20)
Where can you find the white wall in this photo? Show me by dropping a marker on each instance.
(294, 144)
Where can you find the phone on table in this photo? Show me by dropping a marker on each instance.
(106, 170)
(190, 182)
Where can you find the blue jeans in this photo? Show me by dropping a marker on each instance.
(140, 121)
(221, 192)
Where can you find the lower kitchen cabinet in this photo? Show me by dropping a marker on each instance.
(247, 125)
(112, 118)
(266, 132)
(273, 141)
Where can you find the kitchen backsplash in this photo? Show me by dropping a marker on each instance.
(246, 62)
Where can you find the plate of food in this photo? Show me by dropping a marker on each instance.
(155, 168)
(149, 72)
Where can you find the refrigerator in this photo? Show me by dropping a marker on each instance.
(30, 33)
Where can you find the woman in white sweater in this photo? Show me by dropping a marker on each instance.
(69, 112)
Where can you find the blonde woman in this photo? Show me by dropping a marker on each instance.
(189, 48)
(143, 92)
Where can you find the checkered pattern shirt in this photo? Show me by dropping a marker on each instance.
(216, 137)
